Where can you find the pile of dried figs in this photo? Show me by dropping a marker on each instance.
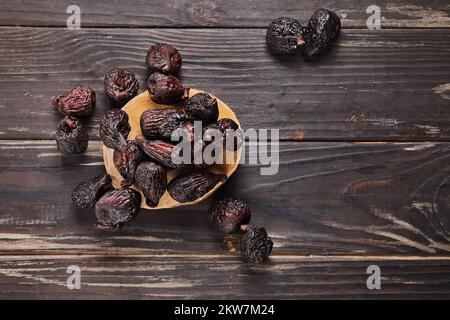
(287, 36)
(145, 161)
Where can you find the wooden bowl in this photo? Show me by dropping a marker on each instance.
(134, 108)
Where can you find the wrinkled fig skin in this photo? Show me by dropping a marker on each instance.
(80, 102)
(229, 214)
(161, 123)
(121, 85)
(223, 125)
(126, 162)
(117, 207)
(256, 245)
(159, 151)
(153, 119)
(192, 186)
(227, 123)
(166, 89)
(323, 29)
(114, 129)
(71, 138)
(174, 122)
(163, 58)
(284, 36)
(86, 194)
(152, 180)
(202, 107)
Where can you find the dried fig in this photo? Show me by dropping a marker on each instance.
(256, 245)
(153, 119)
(203, 107)
(163, 58)
(229, 214)
(114, 129)
(121, 85)
(323, 29)
(161, 123)
(175, 121)
(71, 138)
(80, 101)
(117, 207)
(233, 136)
(284, 36)
(192, 186)
(152, 180)
(126, 162)
(159, 151)
(86, 194)
(166, 89)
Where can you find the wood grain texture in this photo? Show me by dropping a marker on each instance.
(221, 13)
(386, 85)
(327, 198)
(333, 209)
(217, 277)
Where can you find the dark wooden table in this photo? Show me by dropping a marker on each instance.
(364, 160)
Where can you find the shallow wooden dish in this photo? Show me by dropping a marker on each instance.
(134, 108)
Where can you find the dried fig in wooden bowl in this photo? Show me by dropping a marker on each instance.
(134, 109)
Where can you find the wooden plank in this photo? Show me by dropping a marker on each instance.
(221, 13)
(166, 277)
(388, 85)
(327, 198)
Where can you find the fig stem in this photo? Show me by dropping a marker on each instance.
(300, 42)
(185, 94)
(244, 227)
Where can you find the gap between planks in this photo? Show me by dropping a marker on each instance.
(190, 27)
(273, 257)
